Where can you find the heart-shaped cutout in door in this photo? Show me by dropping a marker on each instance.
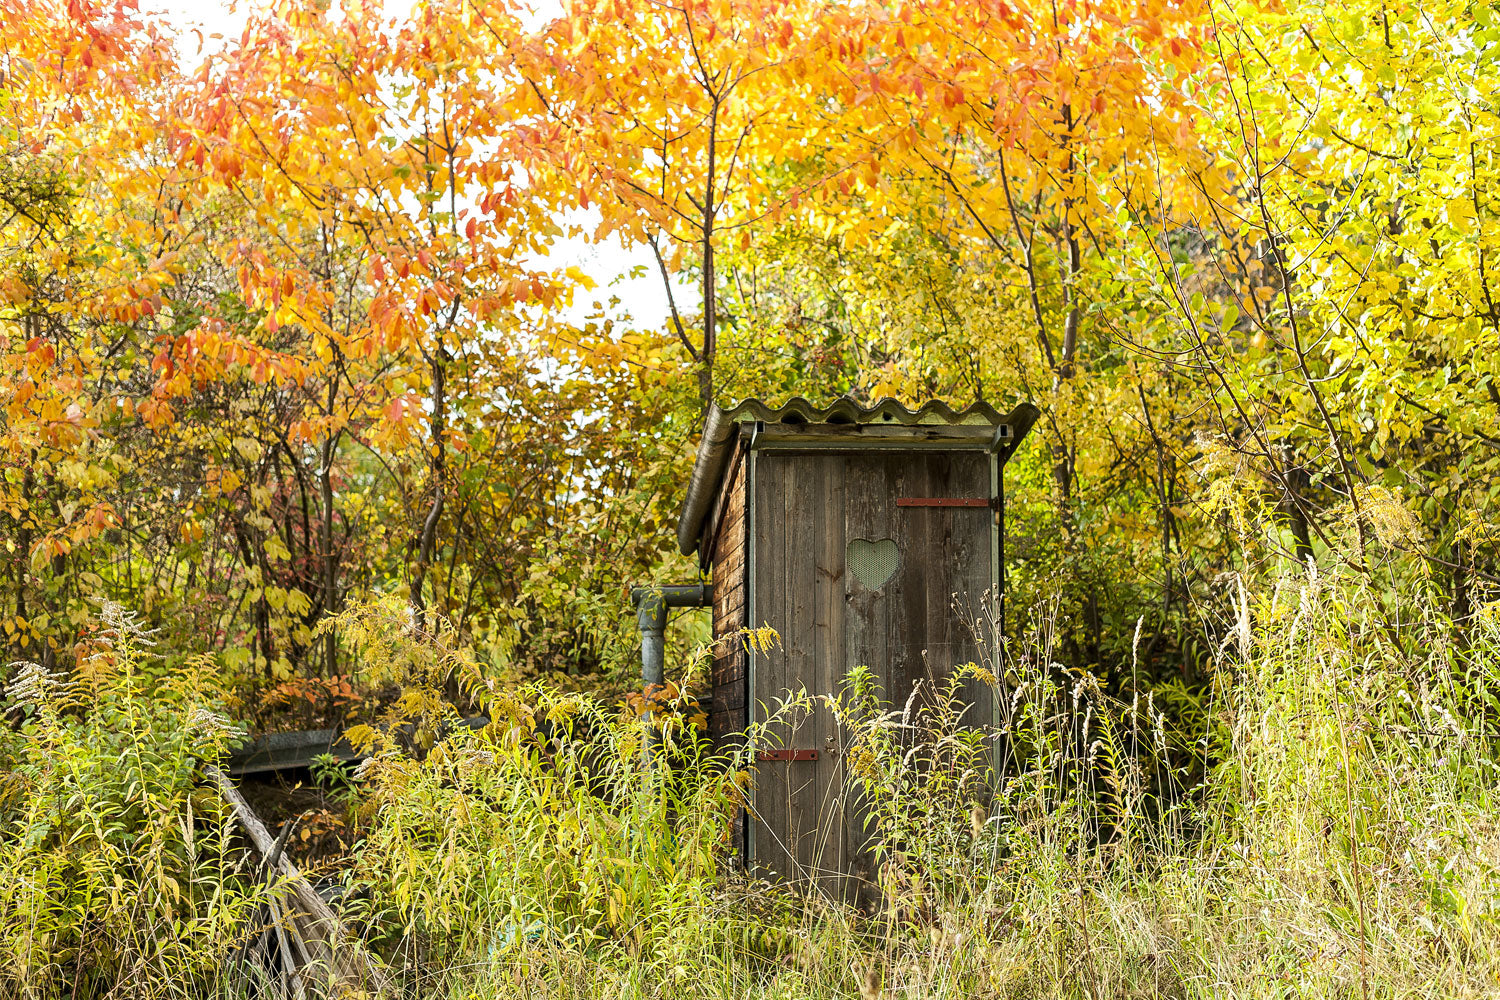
(873, 562)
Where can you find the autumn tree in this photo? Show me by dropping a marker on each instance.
(81, 264)
(283, 330)
(1354, 261)
(662, 117)
(970, 237)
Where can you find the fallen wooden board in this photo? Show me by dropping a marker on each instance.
(328, 954)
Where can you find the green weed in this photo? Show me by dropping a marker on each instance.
(119, 873)
(1317, 819)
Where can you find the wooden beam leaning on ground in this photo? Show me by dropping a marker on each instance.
(325, 946)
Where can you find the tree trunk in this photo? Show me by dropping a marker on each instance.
(706, 356)
(437, 470)
(330, 558)
(710, 211)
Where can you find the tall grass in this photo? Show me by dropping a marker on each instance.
(118, 874)
(1318, 820)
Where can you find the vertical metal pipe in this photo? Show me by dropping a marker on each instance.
(651, 604)
(651, 619)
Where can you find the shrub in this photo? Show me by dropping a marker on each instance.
(1316, 820)
(119, 873)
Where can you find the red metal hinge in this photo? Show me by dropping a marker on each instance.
(942, 502)
(787, 755)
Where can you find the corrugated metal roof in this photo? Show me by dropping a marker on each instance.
(798, 410)
(720, 428)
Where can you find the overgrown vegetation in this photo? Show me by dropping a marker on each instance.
(289, 369)
(1318, 820)
(120, 871)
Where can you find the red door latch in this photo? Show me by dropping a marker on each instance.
(787, 755)
(942, 502)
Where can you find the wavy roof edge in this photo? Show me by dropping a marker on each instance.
(720, 427)
(847, 411)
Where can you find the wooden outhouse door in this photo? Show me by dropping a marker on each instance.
(855, 565)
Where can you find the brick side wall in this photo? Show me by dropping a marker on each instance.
(727, 711)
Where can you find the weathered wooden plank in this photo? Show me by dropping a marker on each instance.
(771, 806)
(868, 514)
(729, 668)
(828, 852)
(726, 711)
(804, 510)
(913, 477)
(732, 697)
(973, 587)
(730, 602)
(330, 953)
(729, 563)
(728, 503)
(948, 543)
(940, 578)
(728, 697)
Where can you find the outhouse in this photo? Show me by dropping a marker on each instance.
(865, 536)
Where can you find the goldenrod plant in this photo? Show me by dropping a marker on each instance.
(120, 872)
(1312, 822)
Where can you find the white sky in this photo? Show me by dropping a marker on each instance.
(607, 263)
